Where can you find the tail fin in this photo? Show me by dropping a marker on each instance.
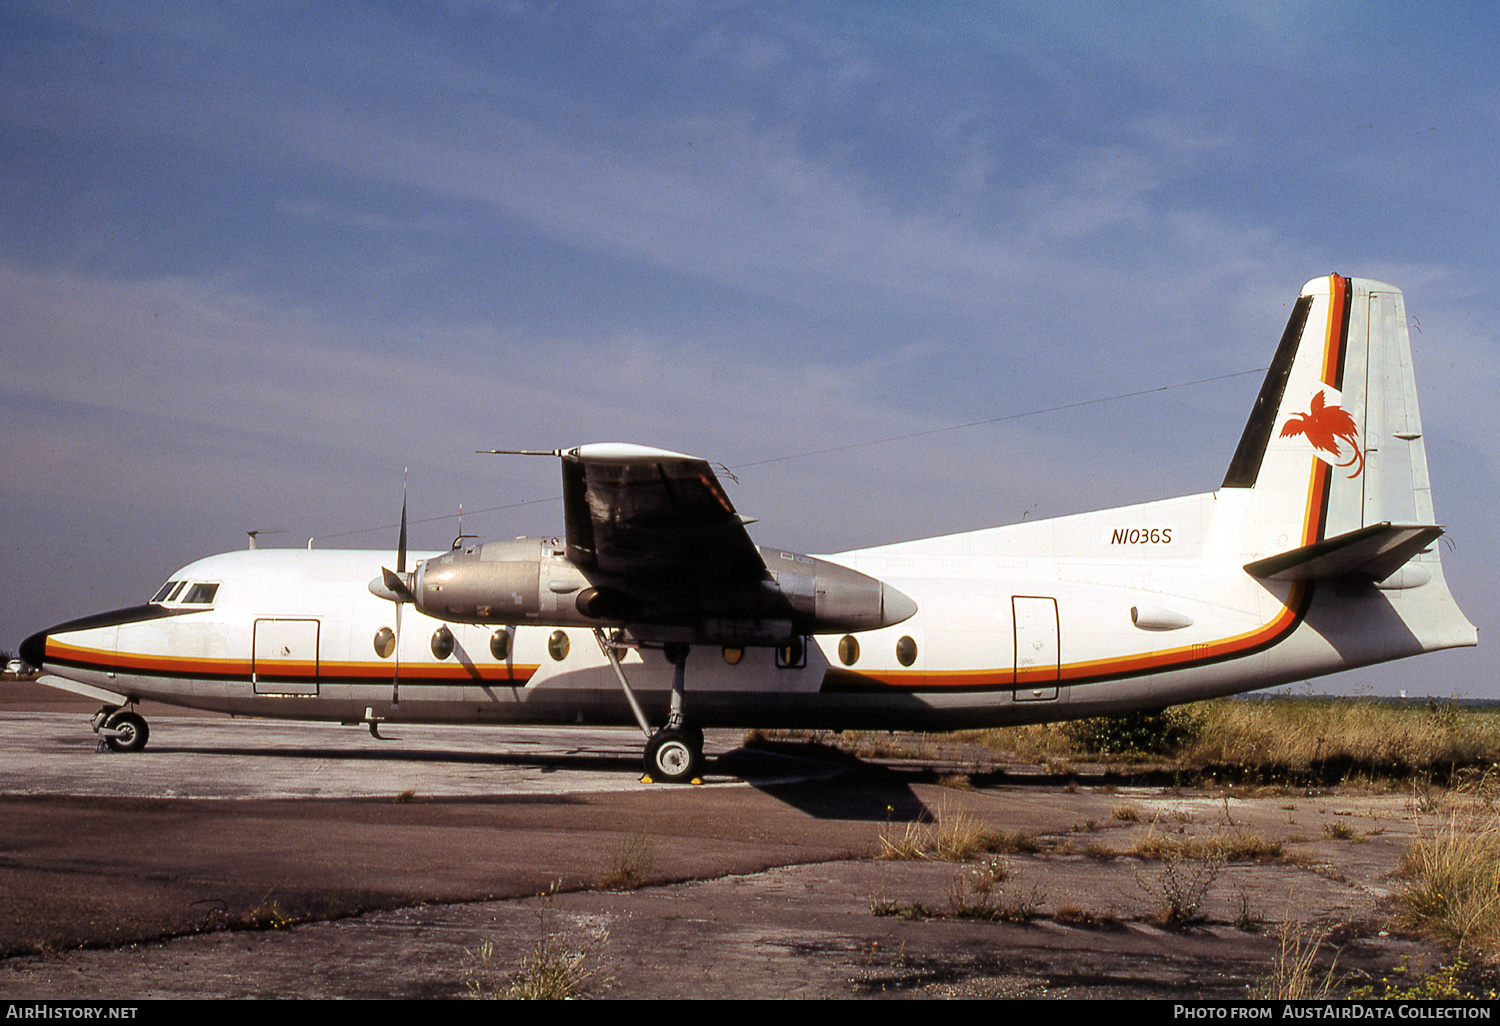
(1334, 443)
(1332, 470)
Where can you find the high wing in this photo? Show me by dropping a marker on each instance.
(632, 511)
(655, 546)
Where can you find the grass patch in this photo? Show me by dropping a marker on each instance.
(981, 892)
(560, 966)
(1231, 846)
(1161, 732)
(1073, 915)
(952, 837)
(1456, 981)
(1338, 830)
(1179, 889)
(1451, 883)
(985, 891)
(631, 865)
(266, 915)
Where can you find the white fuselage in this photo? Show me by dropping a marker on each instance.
(1138, 607)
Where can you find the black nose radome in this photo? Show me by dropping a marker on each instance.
(33, 649)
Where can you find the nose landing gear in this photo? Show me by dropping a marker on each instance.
(121, 729)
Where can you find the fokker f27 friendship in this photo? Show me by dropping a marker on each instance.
(1315, 555)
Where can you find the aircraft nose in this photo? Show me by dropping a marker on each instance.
(895, 606)
(34, 649)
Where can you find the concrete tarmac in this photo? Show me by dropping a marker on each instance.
(241, 858)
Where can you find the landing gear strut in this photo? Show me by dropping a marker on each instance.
(674, 754)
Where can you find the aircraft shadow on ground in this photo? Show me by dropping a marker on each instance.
(797, 774)
(817, 780)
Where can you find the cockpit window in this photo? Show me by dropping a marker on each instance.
(166, 591)
(200, 594)
(187, 593)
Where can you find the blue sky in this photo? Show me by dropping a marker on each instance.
(255, 259)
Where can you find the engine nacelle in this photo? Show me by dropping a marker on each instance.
(528, 580)
(828, 598)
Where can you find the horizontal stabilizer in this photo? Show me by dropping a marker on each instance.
(1374, 552)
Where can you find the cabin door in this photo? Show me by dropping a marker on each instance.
(1037, 650)
(286, 657)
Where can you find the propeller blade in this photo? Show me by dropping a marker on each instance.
(399, 583)
(401, 542)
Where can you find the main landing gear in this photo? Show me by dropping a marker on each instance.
(121, 729)
(674, 754)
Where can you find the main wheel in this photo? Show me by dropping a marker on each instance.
(132, 735)
(674, 756)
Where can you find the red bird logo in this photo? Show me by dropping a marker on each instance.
(1326, 426)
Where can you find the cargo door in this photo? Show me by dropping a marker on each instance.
(1037, 650)
(286, 657)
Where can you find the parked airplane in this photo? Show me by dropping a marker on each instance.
(1315, 555)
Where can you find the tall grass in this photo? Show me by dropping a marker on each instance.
(1338, 738)
(1297, 740)
(1451, 886)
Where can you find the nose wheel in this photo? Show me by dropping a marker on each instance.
(124, 731)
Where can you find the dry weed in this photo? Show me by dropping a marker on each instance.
(559, 967)
(1179, 889)
(952, 837)
(631, 865)
(1294, 976)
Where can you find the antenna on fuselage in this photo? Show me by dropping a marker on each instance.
(263, 530)
(459, 541)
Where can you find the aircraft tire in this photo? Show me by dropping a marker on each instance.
(674, 756)
(133, 732)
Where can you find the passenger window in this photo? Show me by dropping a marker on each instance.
(200, 594)
(848, 650)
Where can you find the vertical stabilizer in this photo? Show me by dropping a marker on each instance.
(1329, 483)
(1334, 443)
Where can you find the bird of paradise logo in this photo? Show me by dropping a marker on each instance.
(1325, 427)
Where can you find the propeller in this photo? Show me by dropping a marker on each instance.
(396, 581)
(395, 586)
